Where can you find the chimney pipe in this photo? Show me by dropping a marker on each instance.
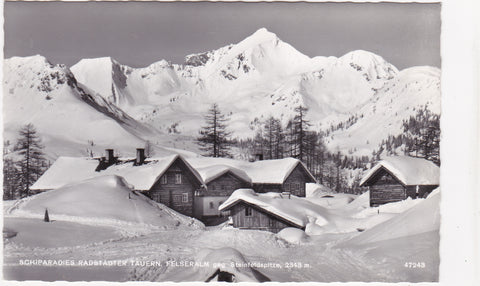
(109, 155)
(140, 159)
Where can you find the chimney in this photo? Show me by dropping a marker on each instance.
(259, 157)
(140, 159)
(109, 156)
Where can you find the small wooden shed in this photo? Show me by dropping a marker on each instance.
(397, 178)
(280, 175)
(220, 182)
(272, 211)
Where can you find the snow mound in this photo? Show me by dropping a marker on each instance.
(316, 190)
(395, 207)
(297, 210)
(104, 200)
(421, 218)
(361, 202)
(293, 235)
(332, 201)
(211, 262)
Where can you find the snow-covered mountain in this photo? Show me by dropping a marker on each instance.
(382, 115)
(69, 116)
(257, 77)
(251, 80)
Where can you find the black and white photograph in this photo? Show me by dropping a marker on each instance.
(222, 141)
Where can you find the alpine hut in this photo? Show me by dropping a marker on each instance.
(397, 178)
(169, 180)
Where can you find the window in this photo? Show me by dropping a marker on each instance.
(164, 179)
(212, 206)
(185, 198)
(248, 211)
(178, 178)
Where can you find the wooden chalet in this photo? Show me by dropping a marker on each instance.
(168, 180)
(281, 175)
(397, 178)
(271, 212)
(220, 181)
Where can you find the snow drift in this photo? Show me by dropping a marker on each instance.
(104, 200)
(212, 261)
(422, 218)
(293, 235)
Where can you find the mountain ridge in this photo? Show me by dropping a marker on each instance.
(258, 77)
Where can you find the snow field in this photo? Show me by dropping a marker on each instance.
(104, 200)
(352, 243)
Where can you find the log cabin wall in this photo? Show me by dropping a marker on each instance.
(251, 217)
(296, 181)
(176, 188)
(267, 188)
(225, 185)
(385, 188)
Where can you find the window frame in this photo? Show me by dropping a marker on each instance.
(164, 179)
(178, 178)
(248, 212)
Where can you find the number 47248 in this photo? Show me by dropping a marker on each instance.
(415, 264)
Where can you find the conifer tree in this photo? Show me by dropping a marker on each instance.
(214, 138)
(300, 126)
(32, 163)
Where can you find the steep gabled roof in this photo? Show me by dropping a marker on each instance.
(290, 208)
(67, 170)
(275, 171)
(213, 172)
(408, 170)
(260, 172)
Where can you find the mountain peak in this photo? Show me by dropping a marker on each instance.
(100, 60)
(260, 36)
(35, 60)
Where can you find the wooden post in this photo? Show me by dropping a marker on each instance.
(46, 218)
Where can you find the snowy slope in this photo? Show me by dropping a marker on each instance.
(384, 113)
(71, 119)
(106, 199)
(48, 96)
(425, 214)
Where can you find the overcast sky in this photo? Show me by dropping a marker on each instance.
(138, 33)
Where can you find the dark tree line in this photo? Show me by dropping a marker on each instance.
(295, 139)
(24, 162)
(275, 140)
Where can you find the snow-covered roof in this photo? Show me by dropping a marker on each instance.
(296, 210)
(274, 171)
(211, 173)
(260, 172)
(408, 170)
(68, 170)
